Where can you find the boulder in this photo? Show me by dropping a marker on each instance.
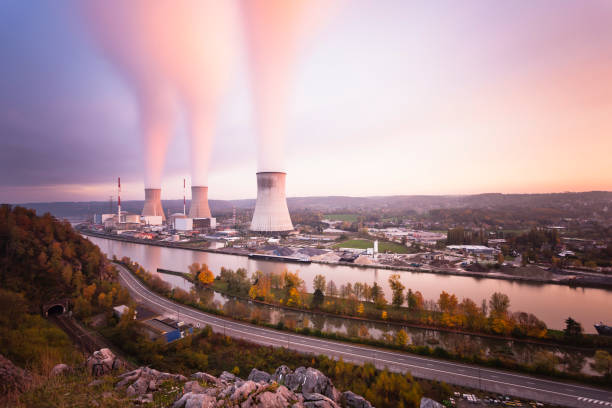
(141, 386)
(429, 403)
(60, 369)
(191, 400)
(259, 376)
(278, 397)
(13, 378)
(194, 387)
(280, 374)
(243, 391)
(103, 362)
(352, 400)
(210, 379)
(310, 380)
(314, 400)
(227, 377)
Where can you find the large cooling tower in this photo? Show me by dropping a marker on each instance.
(199, 203)
(271, 212)
(152, 205)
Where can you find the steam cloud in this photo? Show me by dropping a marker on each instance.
(166, 49)
(273, 30)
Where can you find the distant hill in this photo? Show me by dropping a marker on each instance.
(593, 201)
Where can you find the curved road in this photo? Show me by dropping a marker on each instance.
(495, 381)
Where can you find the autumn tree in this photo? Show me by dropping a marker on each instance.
(206, 277)
(331, 289)
(319, 282)
(401, 338)
(499, 303)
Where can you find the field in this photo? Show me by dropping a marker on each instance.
(342, 217)
(366, 243)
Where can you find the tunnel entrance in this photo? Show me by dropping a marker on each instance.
(55, 310)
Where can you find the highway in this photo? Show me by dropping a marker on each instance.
(492, 380)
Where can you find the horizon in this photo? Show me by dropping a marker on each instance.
(324, 196)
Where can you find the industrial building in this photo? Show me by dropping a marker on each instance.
(167, 329)
(199, 203)
(153, 205)
(271, 212)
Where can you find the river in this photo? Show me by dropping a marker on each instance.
(551, 303)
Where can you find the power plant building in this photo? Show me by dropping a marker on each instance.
(199, 203)
(271, 212)
(153, 205)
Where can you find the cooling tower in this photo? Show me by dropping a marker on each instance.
(199, 203)
(152, 205)
(271, 212)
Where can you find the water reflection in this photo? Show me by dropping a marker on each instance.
(586, 305)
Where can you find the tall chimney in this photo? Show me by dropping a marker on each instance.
(153, 205)
(184, 199)
(271, 212)
(199, 203)
(119, 199)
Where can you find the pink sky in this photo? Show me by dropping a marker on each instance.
(388, 98)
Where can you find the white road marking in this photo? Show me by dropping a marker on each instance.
(362, 356)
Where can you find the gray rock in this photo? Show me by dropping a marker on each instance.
(314, 400)
(259, 376)
(352, 400)
(141, 386)
(227, 377)
(153, 385)
(190, 400)
(429, 403)
(193, 387)
(242, 392)
(60, 369)
(310, 380)
(281, 397)
(103, 362)
(280, 374)
(211, 379)
(130, 392)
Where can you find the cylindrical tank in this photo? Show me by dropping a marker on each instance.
(199, 203)
(153, 205)
(271, 212)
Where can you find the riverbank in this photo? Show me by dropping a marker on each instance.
(437, 352)
(580, 282)
(590, 342)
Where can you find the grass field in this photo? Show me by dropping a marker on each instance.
(366, 243)
(342, 217)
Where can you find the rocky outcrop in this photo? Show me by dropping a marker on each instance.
(302, 388)
(351, 400)
(429, 403)
(144, 380)
(13, 378)
(103, 362)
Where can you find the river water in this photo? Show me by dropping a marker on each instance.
(551, 303)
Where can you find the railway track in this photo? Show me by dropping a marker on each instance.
(85, 340)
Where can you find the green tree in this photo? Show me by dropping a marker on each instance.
(317, 299)
(572, 328)
(397, 288)
(602, 362)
